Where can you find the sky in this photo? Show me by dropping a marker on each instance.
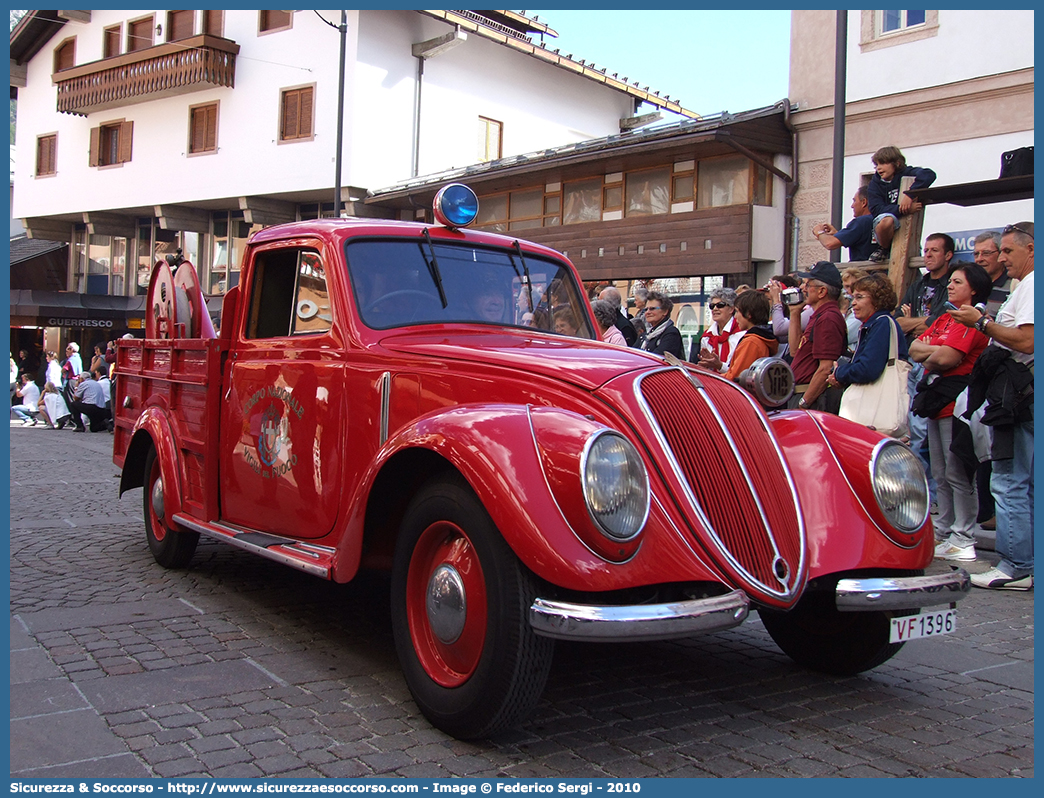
(710, 61)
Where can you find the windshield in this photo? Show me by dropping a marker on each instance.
(397, 283)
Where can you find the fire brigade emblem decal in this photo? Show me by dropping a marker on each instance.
(268, 443)
(274, 457)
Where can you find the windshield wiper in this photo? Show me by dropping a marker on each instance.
(433, 268)
(525, 268)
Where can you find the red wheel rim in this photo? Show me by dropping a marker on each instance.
(449, 664)
(159, 529)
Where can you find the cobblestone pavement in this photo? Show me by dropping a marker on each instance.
(239, 667)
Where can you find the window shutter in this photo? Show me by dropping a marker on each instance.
(139, 35)
(95, 156)
(305, 127)
(112, 42)
(179, 25)
(213, 22)
(65, 56)
(126, 136)
(45, 155)
(210, 131)
(291, 113)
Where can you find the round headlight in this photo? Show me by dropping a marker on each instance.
(900, 486)
(455, 205)
(616, 485)
(770, 379)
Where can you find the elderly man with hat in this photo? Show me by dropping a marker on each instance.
(825, 338)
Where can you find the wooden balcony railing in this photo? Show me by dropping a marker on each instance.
(188, 65)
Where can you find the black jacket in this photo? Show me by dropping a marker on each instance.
(623, 324)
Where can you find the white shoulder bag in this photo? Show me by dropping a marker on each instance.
(884, 404)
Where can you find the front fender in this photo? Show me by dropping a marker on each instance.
(153, 430)
(845, 527)
(494, 447)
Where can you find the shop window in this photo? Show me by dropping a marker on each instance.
(490, 139)
(296, 114)
(723, 181)
(47, 155)
(139, 33)
(582, 201)
(647, 193)
(65, 55)
(111, 143)
(111, 38)
(269, 21)
(180, 25)
(203, 128)
(214, 22)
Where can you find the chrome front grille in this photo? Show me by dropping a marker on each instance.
(734, 476)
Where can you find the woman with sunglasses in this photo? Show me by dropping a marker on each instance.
(758, 341)
(722, 337)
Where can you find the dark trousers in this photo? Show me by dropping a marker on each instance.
(987, 508)
(99, 416)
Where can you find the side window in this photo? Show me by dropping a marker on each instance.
(296, 113)
(111, 143)
(274, 20)
(180, 25)
(111, 38)
(139, 34)
(203, 128)
(46, 155)
(214, 22)
(289, 294)
(312, 311)
(490, 139)
(65, 55)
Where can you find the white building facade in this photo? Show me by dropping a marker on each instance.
(953, 89)
(208, 151)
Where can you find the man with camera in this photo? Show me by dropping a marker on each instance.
(822, 342)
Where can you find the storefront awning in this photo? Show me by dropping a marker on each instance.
(67, 309)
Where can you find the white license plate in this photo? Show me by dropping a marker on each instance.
(926, 624)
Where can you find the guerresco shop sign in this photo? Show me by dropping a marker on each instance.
(60, 322)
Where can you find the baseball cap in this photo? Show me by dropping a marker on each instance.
(825, 272)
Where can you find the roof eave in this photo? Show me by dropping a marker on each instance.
(554, 58)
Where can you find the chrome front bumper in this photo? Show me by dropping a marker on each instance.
(901, 592)
(588, 622)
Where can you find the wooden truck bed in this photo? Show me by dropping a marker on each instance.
(183, 375)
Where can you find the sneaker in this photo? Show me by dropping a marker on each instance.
(989, 524)
(879, 255)
(996, 579)
(949, 551)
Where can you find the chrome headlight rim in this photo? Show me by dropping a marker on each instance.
(585, 459)
(875, 458)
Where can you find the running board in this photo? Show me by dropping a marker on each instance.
(307, 557)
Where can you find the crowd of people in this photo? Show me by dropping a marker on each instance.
(965, 329)
(64, 395)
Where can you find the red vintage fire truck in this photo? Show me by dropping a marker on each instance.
(395, 396)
